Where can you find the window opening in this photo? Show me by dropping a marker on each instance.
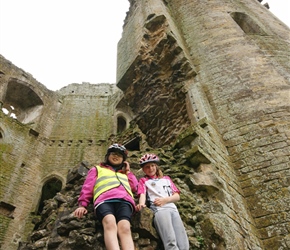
(133, 144)
(9, 111)
(5, 111)
(6, 209)
(121, 124)
(49, 190)
(246, 23)
(21, 102)
(33, 132)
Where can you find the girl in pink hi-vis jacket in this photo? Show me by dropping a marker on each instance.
(111, 185)
(160, 193)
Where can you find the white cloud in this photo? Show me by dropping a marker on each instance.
(71, 41)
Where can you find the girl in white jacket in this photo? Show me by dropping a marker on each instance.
(160, 193)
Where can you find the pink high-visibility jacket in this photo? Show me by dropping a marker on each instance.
(87, 192)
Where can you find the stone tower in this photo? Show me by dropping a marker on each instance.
(207, 81)
(225, 63)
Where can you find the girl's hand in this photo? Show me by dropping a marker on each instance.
(164, 200)
(160, 201)
(126, 168)
(80, 211)
(139, 207)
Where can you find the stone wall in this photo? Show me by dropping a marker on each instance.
(49, 133)
(228, 62)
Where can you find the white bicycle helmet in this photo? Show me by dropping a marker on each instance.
(148, 158)
(118, 148)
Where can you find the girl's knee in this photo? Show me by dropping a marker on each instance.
(124, 227)
(109, 223)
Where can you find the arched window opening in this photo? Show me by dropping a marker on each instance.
(49, 190)
(134, 143)
(9, 110)
(247, 24)
(121, 124)
(21, 102)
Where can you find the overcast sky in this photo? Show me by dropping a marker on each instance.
(71, 41)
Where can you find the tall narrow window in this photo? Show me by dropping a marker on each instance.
(49, 190)
(247, 24)
(121, 124)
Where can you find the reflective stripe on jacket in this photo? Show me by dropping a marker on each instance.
(108, 179)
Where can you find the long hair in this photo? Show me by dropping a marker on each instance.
(159, 173)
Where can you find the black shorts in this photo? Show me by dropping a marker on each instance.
(122, 210)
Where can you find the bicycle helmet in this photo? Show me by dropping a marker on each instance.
(118, 148)
(148, 158)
